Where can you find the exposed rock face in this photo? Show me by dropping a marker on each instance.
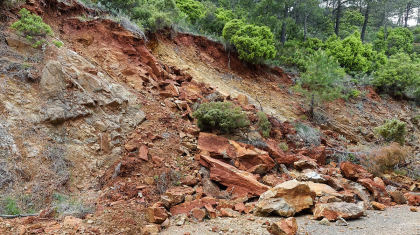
(53, 81)
(332, 211)
(353, 171)
(285, 199)
(287, 226)
(241, 183)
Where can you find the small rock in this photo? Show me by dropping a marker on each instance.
(284, 227)
(150, 229)
(378, 206)
(227, 212)
(325, 221)
(341, 222)
(149, 180)
(413, 209)
(332, 211)
(156, 215)
(198, 214)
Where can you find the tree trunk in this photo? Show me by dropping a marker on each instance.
(407, 13)
(284, 25)
(385, 16)
(362, 36)
(337, 18)
(305, 29)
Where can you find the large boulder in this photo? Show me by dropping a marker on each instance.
(240, 183)
(285, 199)
(53, 80)
(332, 211)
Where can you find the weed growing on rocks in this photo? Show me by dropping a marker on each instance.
(392, 130)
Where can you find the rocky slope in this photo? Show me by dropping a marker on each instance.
(107, 120)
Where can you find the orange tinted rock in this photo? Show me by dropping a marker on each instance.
(198, 214)
(210, 211)
(353, 171)
(332, 211)
(170, 91)
(176, 195)
(398, 197)
(217, 146)
(285, 199)
(378, 206)
(240, 207)
(227, 212)
(156, 215)
(143, 152)
(378, 191)
(413, 198)
(287, 226)
(188, 206)
(239, 182)
(277, 154)
(318, 154)
(242, 100)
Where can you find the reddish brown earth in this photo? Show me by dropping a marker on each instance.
(168, 149)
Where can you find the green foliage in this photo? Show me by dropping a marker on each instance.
(12, 207)
(193, 9)
(38, 43)
(323, 76)
(221, 116)
(254, 43)
(283, 146)
(393, 130)
(58, 43)
(398, 40)
(231, 28)
(313, 44)
(351, 53)
(263, 124)
(401, 75)
(31, 25)
(416, 35)
(155, 15)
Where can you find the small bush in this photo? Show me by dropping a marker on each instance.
(12, 207)
(220, 115)
(64, 206)
(31, 24)
(384, 158)
(263, 124)
(283, 146)
(310, 136)
(323, 76)
(58, 43)
(392, 130)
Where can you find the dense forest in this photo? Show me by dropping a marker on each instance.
(334, 46)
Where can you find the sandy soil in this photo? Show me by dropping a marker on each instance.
(397, 220)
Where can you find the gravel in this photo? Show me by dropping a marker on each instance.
(396, 220)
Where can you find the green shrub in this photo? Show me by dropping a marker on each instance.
(323, 76)
(231, 28)
(263, 124)
(398, 39)
(393, 130)
(283, 146)
(351, 53)
(193, 9)
(31, 25)
(220, 115)
(254, 43)
(58, 43)
(11, 207)
(399, 76)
